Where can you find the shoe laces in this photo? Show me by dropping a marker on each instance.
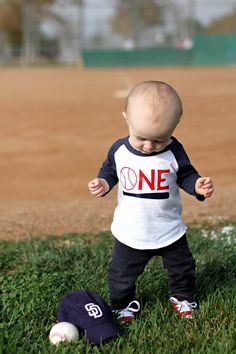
(184, 308)
(128, 312)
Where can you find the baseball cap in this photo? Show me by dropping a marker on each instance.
(90, 313)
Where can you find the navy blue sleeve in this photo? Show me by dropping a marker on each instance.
(187, 175)
(108, 169)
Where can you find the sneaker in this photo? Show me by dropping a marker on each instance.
(184, 308)
(127, 314)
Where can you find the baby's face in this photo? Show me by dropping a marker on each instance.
(147, 144)
(149, 130)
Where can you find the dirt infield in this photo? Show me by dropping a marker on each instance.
(56, 127)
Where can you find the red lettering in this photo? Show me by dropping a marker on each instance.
(142, 177)
(151, 181)
(160, 180)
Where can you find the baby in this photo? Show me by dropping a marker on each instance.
(150, 165)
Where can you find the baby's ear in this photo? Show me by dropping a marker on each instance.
(180, 119)
(125, 116)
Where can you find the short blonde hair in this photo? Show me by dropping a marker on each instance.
(156, 89)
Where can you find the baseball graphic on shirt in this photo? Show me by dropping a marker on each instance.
(128, 178)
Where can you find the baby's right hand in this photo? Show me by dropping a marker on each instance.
(98, 187)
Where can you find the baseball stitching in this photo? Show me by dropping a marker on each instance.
(126, 176)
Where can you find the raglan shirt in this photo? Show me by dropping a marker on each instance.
(148, 212)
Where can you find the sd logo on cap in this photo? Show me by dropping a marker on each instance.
(90, 313)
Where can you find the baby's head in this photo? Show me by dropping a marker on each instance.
(153, 110)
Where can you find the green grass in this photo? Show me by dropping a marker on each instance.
(36, 273)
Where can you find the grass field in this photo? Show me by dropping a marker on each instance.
(56, 127)
(36, 273)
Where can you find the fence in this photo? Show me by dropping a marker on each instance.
(206, 50)
(215, 49)
(98, 33)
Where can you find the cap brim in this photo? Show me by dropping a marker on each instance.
(101, 332)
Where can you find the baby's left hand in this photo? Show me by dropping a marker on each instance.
(204, 186)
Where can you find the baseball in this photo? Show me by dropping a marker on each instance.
(63, 332)
(128, 178)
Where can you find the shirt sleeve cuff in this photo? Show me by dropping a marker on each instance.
(199, 197)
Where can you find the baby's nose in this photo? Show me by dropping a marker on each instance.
(149, 146)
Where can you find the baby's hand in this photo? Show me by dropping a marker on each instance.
(204, 186)
(98, 187)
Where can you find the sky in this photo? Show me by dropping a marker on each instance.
(208, 10)
(205, 10)
(98, 10)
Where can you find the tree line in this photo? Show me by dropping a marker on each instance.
(124, 21)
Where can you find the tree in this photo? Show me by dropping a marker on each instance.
(132, 16)
(11, 17)
(224, 24)
(11, 12)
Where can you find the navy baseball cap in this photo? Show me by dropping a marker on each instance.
(90, 313)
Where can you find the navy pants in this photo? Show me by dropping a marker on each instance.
(128, 263)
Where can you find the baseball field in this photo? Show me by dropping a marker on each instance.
(57, 125)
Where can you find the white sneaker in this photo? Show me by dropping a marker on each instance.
(184, 308)
(127, 314)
